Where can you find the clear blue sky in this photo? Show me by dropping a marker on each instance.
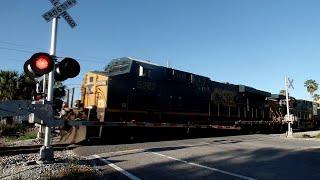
(251, 42)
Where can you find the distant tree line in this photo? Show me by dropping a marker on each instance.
(16, 86)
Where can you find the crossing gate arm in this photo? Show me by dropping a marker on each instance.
(15, 108)
(40, 112)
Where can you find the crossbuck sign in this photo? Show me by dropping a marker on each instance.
(60, 9)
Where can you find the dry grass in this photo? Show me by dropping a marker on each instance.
(74, 172)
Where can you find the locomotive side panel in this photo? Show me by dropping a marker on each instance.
(231, 103)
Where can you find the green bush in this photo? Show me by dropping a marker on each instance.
(7, 129)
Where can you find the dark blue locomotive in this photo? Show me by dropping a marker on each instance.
(132, 94)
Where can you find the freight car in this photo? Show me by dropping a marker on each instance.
(140, 94)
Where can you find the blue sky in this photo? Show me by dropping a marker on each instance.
(251, 42)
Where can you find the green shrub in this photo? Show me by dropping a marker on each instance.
(7, 129)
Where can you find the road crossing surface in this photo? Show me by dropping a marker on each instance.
(232, 157)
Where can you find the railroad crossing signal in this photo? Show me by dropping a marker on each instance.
(290, 83)
(42, 63)
(289, 118)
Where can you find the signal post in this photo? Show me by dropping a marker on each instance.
(46, 152)
(288, 117)
(42, 63)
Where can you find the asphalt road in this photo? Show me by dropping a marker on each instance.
(232, 157)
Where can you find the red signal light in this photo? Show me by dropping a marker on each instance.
(42, 62)
(39, 64)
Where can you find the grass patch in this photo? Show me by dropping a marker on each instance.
(76, 172)
(28, 134)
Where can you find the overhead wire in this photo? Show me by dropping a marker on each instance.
(41, 49)
(27, 51)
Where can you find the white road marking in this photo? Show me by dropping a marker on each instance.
(196, 144)
(121, 152)
(205, 167)
(124, 172)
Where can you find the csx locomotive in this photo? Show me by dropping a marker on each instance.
(131, 93)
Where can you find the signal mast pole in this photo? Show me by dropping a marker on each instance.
(46, 152)
(51, 74)
(289, 119)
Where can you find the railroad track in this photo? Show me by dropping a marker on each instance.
(12, 150)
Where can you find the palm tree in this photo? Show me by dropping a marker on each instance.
(8, 85)
(311, 86)
(282, 92)
(26, 87)
(316, 97)
(59, 90)
(15, 86)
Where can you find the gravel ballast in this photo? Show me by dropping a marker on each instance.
(24, 166)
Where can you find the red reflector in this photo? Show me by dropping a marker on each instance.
(42, 62)
(37, 97)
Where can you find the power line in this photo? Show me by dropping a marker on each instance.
(41, 49)
(17, 50)
(28, 52)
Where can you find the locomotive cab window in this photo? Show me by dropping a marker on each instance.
(144, 72)
(190, 78)
(169, 73)
(91, 79)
